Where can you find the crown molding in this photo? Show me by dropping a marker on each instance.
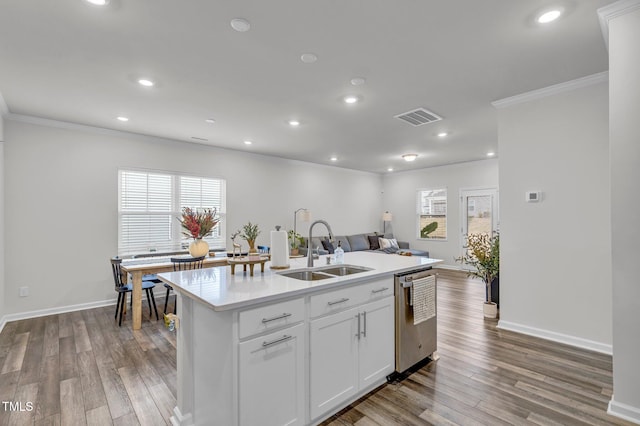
(552, 90)
(613, 10)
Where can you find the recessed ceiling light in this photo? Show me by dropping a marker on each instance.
(308, 58)
(490, 154)
(294, 123)
(442, 134)
(334, 158)
(549, 16)
(145, 82)
(248, 142)
(121, 118)
(390, 169)
(210, 120)
(98, 2)
(410, 157)
(240, 24)
(358, 81)
(351, 99)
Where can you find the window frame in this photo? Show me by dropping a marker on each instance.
(178, 242)
(419, 212)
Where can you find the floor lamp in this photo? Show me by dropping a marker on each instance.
(305, 217)
(386, 217)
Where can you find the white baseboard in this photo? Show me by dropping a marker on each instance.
(449, 267)
(63, 309)
(178, 419)
(557, 337)
(624, 411)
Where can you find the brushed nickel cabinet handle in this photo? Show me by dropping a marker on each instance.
(266, 320)
(335, 302)
(275, 342)
(364, 332)
(358, 333)
(380, 290)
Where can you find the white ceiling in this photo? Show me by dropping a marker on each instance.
(71, 61)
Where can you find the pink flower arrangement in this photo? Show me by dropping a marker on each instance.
(198, 223)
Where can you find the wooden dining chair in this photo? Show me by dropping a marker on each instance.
(122, 289)
(182, 264)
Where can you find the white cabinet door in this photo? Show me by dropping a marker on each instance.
(333, 360)
(376, 341)
(272, 378)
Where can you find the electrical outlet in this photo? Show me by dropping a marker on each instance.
(24, 291)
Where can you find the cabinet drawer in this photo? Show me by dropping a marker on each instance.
(270, 317)
(337, 300)
(377, 289)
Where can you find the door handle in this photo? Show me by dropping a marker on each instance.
(364, 315)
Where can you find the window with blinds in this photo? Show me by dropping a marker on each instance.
(150, 204)
(432, 207)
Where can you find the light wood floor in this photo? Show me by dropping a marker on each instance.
(81, 368)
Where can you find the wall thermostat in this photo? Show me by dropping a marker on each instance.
(533, 196)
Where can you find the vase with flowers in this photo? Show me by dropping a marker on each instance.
(197, 224)
(250, 232)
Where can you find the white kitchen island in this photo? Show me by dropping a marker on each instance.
(273, 350)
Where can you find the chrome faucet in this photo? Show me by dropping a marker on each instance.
(309, 248)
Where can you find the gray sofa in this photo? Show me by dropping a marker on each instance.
(358, 242)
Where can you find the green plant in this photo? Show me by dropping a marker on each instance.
(198, 223)
(429, 228)
(483, 254)
(295, 239)
(250, 231)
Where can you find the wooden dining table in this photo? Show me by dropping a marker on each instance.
(137, 269)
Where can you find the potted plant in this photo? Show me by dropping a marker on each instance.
(250, 232)
(483, 254)
(295, 240)
(197, 224)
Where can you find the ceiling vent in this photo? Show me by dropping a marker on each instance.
(418, 117)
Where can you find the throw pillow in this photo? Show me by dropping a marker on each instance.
(388, 243)
(374, 244)
(326, 244)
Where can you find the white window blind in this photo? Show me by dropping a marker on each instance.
(150, 204)
(432, 207)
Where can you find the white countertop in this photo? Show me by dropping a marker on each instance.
(221, 291)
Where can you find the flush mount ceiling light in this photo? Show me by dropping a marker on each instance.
(122, 118)
(549, 16)
(293, 123)
(351, 99)
(146, 82)
(410, 157)
(334, 158)
(308, 58)
(358, 81)
(210, 120)
(241, 25)
(98, 2)
(390, 169)
(442, 134)
(247, 142)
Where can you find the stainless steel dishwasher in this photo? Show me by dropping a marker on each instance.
(416, 317)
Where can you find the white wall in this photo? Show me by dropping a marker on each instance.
(2, 269)
(61, 201)
(555, 275)
(624, 63)
(400, 199)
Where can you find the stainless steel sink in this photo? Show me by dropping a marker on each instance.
(342, 270)
(306, 275)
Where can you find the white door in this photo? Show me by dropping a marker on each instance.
(333, 360)
(479, 211)
(377, 357)
(271, 378)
